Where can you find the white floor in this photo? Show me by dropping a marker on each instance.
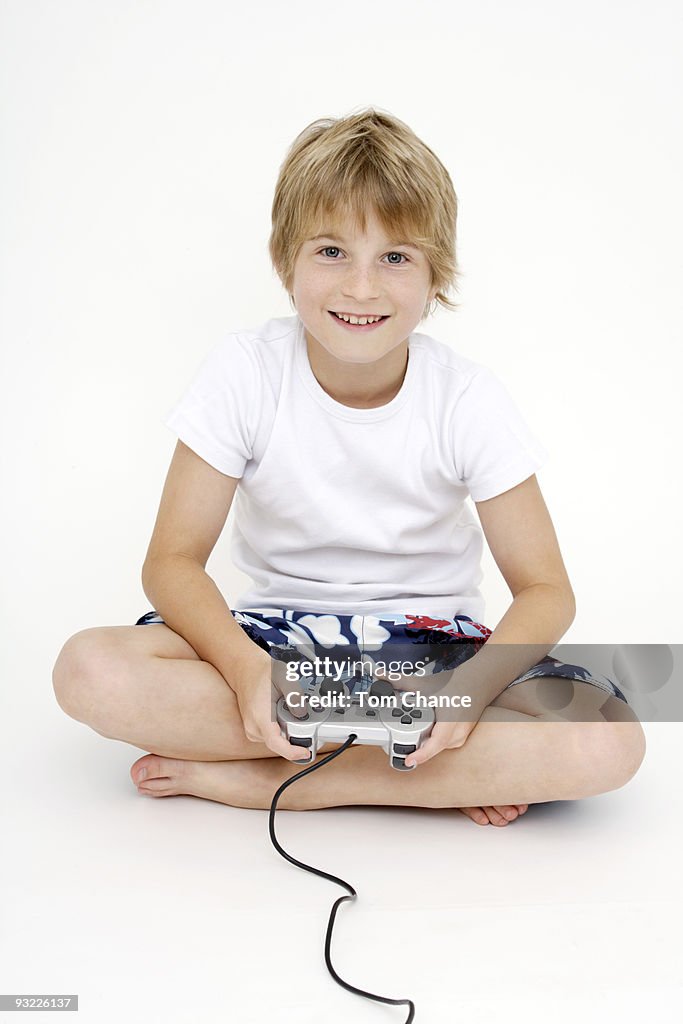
(181, 910)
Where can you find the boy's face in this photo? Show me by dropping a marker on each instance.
(346, 272)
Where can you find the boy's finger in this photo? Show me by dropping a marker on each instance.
(429, 748)
(303, 756)
(278, 744)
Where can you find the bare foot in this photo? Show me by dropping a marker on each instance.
(240, 783)
(501, 814)
(252, 783)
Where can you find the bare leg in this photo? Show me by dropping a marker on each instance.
(146, 686)
(509, 758)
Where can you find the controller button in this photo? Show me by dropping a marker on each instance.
(370, 713)
(331, 686)
(396, 712)
(301, 741)
(406, 720)
(339, 711)
(399, 762)
(404, 748)
(415, 713)
(381, 687)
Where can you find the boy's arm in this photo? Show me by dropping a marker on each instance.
(522, 540)
(189, 601)
(194, 506)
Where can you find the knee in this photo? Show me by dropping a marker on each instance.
(614, 751)
(84, 661)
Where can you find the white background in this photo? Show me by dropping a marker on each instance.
(141, 144)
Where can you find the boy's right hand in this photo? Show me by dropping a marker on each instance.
(257, 696)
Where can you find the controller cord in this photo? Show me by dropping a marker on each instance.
(332, 878)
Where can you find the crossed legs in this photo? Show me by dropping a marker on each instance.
(145, 685)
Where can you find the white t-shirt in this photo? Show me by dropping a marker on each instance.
(355, 511)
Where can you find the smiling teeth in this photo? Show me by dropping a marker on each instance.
(358, 320)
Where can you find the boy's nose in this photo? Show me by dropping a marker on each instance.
(360, 284)
(360, 299)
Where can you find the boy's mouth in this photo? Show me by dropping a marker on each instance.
(357, 327)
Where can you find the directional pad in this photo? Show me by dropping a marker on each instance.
(406, 720)
(415, 713)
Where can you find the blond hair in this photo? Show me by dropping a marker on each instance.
(367, 161)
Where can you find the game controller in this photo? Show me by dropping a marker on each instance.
(397, 725)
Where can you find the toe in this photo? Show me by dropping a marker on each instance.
(157, 787)
(507, 811)
(140, 769)
(476, 814)
(135, 768)
(500, 814)
(495, 817)
(153, 767)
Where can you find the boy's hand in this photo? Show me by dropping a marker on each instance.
(257, 696)
(446, 735)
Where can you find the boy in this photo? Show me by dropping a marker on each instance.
(350, 443)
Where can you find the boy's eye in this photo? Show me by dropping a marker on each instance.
(334, 248)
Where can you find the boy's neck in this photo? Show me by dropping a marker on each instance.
(358, 385)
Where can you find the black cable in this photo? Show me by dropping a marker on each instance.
(332, 878)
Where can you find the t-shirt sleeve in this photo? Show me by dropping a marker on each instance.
(217, 415)
(495, 448)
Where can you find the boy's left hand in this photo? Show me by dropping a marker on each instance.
(445, 735)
